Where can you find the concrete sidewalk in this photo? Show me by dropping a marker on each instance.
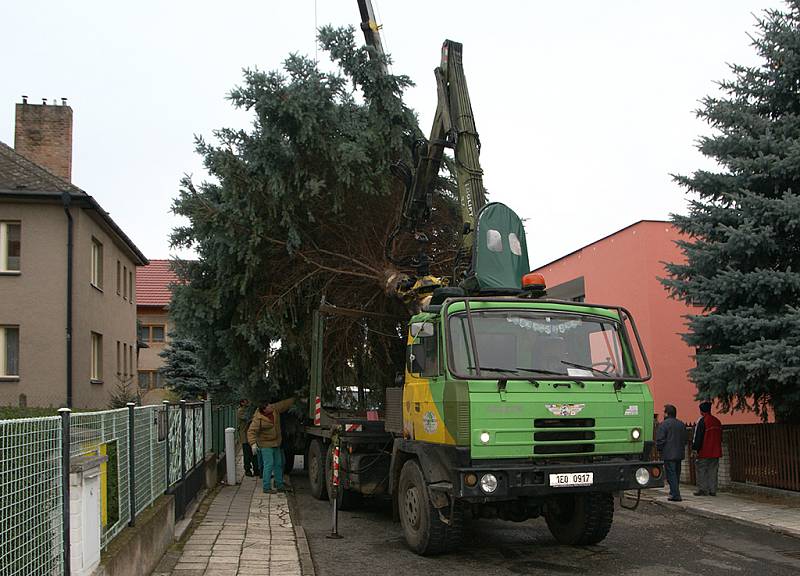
(244, 532)
(777, 514)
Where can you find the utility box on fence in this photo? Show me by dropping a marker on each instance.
(84, 510)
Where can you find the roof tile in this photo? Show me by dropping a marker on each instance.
(153, 283)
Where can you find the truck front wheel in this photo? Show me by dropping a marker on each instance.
(423, 528)
(316, 470)
(580, 519)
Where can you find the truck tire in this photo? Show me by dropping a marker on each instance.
(347, 499)
(424, 531)
(580, 519)
(316, 470)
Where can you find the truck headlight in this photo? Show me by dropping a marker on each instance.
(489, 483)
(642, 476)
(636, 433)
(485, 437)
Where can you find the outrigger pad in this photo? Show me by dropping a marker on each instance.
(500, 254)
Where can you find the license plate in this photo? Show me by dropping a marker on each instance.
(572, 479)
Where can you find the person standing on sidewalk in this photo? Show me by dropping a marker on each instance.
(671, 442)
(265, 436)
(707, 442)
(242, 424)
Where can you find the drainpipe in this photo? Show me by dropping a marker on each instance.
(66, 199)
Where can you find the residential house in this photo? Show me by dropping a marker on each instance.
(152, 309)
(67, 291)
(624, 269)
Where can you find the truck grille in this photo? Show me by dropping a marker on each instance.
(574, 441)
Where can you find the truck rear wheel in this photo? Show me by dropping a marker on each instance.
(424, 531)
(580, 519)
(347, 499)
(316, 470)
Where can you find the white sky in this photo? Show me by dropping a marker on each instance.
(584, 108)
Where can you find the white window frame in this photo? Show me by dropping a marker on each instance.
(97, 264)
(96, 366)
(4, 352)
(4, 246)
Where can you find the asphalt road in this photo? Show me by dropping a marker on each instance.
(650, 541)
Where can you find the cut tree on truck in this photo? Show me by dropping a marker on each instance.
(511, 405)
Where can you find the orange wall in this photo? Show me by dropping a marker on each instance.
(623, 269)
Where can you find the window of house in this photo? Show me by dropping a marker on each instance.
(119, 276)
(130, 285)
(125, 282)
(97, 357)
(9, 350)
(125, 361)
(119, 358)
(152, 333)
(10, 246)
(97, 263)
(149, 379)
(130, 360)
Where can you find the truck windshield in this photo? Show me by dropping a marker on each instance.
(539, 343)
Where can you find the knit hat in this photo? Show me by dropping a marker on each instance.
(705, 407)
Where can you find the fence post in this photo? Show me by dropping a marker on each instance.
(166, 444)
(183, 439)
(65, 445)
(131, 463)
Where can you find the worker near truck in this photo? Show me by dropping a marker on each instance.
(264, 434)
(671, 442)
(707, 442)
(242, 424)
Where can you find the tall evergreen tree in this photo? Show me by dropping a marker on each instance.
(743, 253)
(298, 209)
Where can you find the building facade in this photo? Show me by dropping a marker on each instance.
(624, 269)
(67, 290)
(152, 309)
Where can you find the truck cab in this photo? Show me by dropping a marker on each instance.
(517, 407)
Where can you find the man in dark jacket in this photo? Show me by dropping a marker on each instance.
(671, 442)
(707, 442)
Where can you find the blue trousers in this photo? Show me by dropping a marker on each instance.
(272, 464)
(673, 470)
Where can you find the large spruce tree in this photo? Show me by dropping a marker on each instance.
(743, 253)
(298, 210)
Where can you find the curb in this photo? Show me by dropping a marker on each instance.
(719, 516)
(306, 564)
(303, 550)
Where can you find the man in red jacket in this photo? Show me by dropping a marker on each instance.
(707, 443)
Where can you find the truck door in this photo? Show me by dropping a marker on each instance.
(423, 413)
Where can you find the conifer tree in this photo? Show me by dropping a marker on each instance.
(743, 248)
(182, 371)
(298, 210)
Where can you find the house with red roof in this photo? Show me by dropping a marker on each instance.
(152, 312)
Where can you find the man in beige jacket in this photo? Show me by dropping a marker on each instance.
(264, 434)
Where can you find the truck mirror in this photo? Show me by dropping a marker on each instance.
(421, 329)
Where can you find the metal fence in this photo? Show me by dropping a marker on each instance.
(222, 417)
(150, 450)
(30, 497)
(765, 454)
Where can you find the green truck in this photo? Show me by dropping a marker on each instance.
(511, 405)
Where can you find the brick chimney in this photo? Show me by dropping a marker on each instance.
(43, 134)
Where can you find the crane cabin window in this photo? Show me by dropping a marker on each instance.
(494, 241)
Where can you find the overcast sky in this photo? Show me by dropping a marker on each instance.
(584, 108)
